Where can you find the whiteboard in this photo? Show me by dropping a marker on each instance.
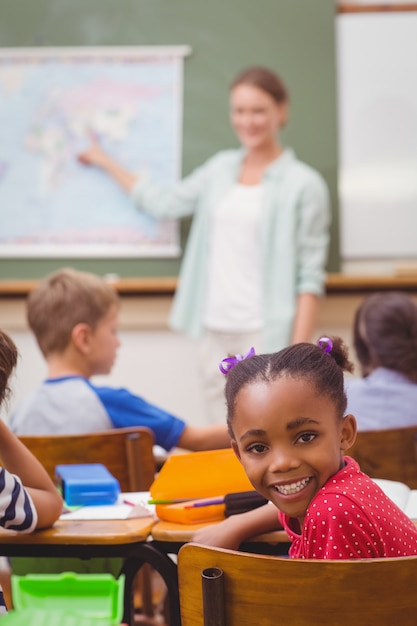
(377, 108)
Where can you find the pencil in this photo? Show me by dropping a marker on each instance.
(175, 501)
(205, 503)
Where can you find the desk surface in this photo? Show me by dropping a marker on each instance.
(92, 532)
(173, 532)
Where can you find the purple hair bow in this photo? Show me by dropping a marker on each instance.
(227, 364)
(325, 343)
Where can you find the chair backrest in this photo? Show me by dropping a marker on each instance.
(388, 454)
(126, 452)
(265, 590)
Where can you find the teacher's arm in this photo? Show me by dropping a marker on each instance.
(172, 202)
(312, 249)
(305, 317)
(95, 155)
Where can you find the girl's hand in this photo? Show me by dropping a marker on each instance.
(222, 535)
(238, 528)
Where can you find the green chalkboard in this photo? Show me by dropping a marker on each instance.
(294, 37)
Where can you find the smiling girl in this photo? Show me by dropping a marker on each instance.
(286, 417)
(254, 265)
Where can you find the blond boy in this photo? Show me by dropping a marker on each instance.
(74, 317)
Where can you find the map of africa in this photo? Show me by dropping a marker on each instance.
(50, 103)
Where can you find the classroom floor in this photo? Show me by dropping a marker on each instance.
(161, 615)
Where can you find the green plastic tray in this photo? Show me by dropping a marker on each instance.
(87, 595)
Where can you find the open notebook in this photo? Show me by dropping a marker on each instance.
(128, 506)
(404, 497)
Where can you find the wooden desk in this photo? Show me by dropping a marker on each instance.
(173, 534)
(126, 539)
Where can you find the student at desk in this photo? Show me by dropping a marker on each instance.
(385, 341)
(74, 316)
(28, 497)
(289, 428)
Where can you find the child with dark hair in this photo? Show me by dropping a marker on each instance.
(385, 341)
(289, 428)
(28, 497)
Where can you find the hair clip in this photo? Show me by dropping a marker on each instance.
(227, 364)
(325, 344)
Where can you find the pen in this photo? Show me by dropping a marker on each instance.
(129, 503)
(175, 501)
(205, 503)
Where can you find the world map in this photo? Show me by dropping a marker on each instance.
(50, 105)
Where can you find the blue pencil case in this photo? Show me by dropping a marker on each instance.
(86, 484)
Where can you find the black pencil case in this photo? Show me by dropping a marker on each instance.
(242, 501)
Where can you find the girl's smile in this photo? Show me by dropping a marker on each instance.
(289, 440)
(289, 489)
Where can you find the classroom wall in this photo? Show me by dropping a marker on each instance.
(295, 37)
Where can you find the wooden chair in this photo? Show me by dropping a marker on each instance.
(126, 452)
(388, 454)
(128, 455)
(222, 587)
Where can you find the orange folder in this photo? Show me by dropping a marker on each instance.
(197, 475)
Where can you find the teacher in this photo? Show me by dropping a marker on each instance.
(254, 264)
